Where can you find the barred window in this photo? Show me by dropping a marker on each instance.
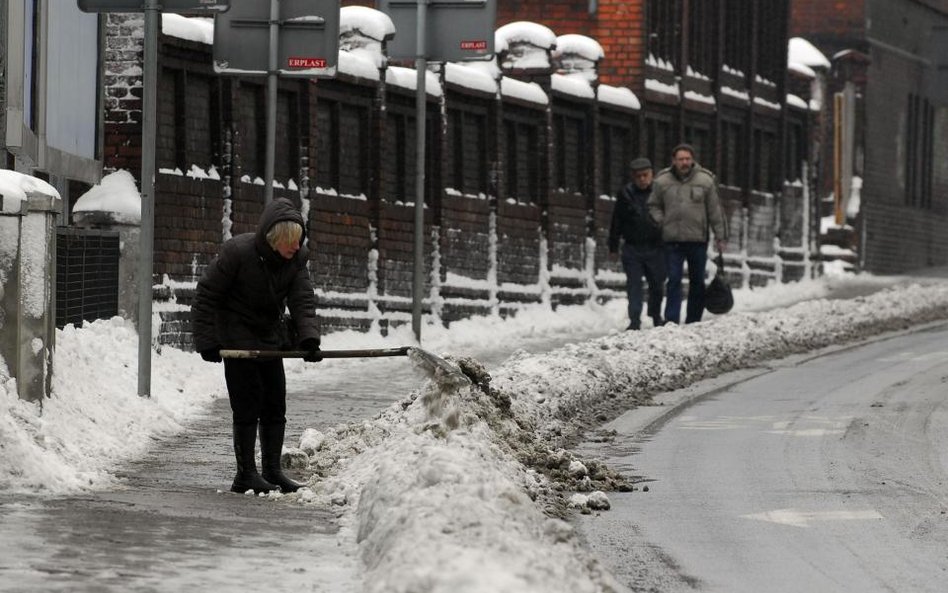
(466, 165)
(702, 36)
(659, 140)
(342, 146)
(664, 30)
(731, 138)
(919, 138)
(617, 150)
(523, 162)
(737, 42)
(571, 154)
(764, 178)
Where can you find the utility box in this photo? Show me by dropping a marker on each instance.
(308, 39)
(29, 209)
(455, 30)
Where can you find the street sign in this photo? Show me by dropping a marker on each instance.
(166, 5)
(308, 38)
(456, 30)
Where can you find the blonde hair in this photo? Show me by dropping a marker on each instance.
(285, 232)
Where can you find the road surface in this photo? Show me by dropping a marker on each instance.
(820, 473)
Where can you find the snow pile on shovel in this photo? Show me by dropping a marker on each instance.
(469, 499)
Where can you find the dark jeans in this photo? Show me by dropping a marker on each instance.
(695, 253)
(257, 390)
(648, 262)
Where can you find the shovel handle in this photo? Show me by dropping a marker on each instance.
(371, 352)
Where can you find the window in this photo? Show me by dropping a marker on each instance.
(570, 150)
(664, 30)
(731, 138)
(523, 160)
(617, 150)
(253, 124)
(737, 42)
(918, 152)
(771, 40)
(659, 141)
(467, 151)
(764, 170)
(702, 37)
(342, 146)
(795, 150)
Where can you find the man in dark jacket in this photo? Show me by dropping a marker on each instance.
(642, 248)
(239, 303)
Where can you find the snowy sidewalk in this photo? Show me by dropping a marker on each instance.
(423, 502)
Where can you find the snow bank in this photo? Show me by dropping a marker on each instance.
(94, 417)
(452, 501)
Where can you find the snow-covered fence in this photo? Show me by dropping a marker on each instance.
(28, 211)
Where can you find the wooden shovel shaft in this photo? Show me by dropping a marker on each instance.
(371, 352)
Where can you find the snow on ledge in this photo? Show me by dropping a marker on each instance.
(14, 188)
(619, 96)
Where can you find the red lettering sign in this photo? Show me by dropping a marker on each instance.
(306, 62)
(474, 45)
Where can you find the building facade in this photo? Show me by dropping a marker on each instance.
(894, 55)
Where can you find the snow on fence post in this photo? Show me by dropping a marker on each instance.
(28, 211)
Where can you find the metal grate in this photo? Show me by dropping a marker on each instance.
(87, 275)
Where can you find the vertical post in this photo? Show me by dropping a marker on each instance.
(838, 158)
(149, 115)
(421, 67)
(272, 100)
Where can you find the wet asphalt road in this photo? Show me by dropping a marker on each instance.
(825, 474)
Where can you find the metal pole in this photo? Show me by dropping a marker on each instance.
(421, 67)
(149, 116)
(272, 100)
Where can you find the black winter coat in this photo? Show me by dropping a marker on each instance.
(242, 292)
(631, 220)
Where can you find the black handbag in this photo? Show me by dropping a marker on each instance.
(718, 298)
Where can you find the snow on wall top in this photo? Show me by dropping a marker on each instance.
(618, 95)
(528, 45)
(116, 193)
(368, 21)
(801, 51)
(200, 29)
(14, 188)
(581, 46)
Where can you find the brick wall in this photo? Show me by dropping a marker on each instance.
(618, 26)
(831, 26)
(122, 80)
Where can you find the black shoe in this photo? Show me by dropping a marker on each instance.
(658, 321)
(271, 448)
(247, 478)
(633, 326)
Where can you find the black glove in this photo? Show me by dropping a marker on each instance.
(212, 355)
(311, 346)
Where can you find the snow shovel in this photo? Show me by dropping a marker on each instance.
(442, 370)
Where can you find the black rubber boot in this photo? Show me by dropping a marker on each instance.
(271, 448)
(247, 478)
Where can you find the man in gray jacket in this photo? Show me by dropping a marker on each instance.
(685, 203)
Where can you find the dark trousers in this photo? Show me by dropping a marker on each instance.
(649, 262)
(695, 253)
(257, 391)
